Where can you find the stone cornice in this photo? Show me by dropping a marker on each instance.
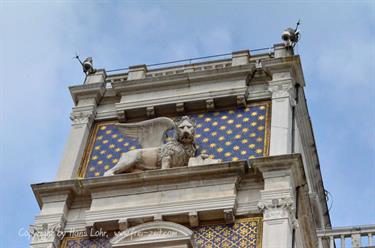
(280, 64)
(87, 186)
(181, 79)
(291, 162)
(86, 91)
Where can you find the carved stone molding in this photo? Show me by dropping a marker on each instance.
(47, 233)
(155, 234)
(210, 104)
(278, 209)
(82, 118)
(283, 90)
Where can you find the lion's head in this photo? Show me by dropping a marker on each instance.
(185, 130)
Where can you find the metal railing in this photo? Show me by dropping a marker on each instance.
(354, 236)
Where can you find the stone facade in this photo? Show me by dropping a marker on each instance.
(273, 198)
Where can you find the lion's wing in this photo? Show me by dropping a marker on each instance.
(150, 133)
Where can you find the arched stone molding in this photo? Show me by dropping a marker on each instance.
(155, 234)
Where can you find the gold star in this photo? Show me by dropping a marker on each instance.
(97, 174)
(231, 112)
(106, 167)
(243, 152)
(208, 119)
(224, 117)
(199, 125)
(206, 129)
(234, 159)
(239, 115)
(230, 121)
(262, 107)
(261, 117)
(228, 143)
(114, 161)
(103, 128)
(105, 141)
(92, 169)
(95, 157)
(213, 134)
(114, 136)
(201, 116)
(229, 131)
(117, 149)
(244, 130)
(259, 139)
(100, 162)
(260, 128)
(252, 135)
(108, 131)
(221, 138)
(205, 140)
(246, 119)
(103, 151)
(238, 136)
(120, 140)
(212, 145)
(222, 127)
(214, 123)
(252, 146)
(99, 137)
(197, 136)
(238, 125)
(236, 148)
(227, 154)
(109, 156)
(253, 124)
(211, 156)
(216, 113)
(97, 147)
(126, 144)
(111, 146)
(219, 149)
(258, 151)
(132, 148)
(244, 141)
(254, 113)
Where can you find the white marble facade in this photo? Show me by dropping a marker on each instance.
(285, 188)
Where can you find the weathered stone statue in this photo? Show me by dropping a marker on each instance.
(155, 153)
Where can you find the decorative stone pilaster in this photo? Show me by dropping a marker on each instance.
(281, 175)
(83, 115)
(47, 235)
(283, 95)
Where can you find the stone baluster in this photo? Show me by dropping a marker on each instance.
(370, 239)
(342, 241)
(356, 240)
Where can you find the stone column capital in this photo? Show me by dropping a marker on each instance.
(82, 118)
(48, 234)
(282, 90)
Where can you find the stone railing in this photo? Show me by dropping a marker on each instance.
(354, 236)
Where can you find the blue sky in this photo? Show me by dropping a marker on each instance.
(39, 39)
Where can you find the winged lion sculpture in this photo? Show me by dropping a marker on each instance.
(156, 153)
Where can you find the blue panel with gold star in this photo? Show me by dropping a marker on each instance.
(243, 233)
(230, 135)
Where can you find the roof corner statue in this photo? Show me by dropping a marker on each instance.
(155, 153)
